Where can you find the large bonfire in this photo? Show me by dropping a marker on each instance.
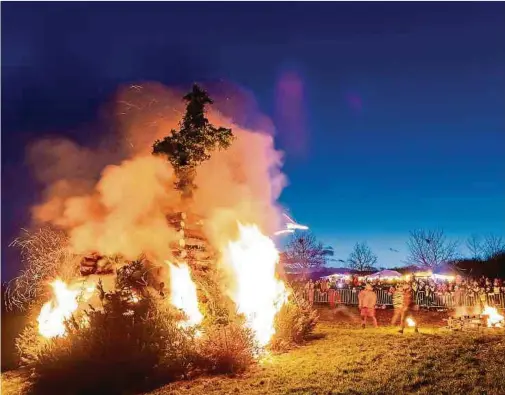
(196, 216)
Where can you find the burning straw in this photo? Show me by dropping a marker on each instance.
(45, 255)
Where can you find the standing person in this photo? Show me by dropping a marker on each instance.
(309, 289)
(331, 297)
(397, 303)
(367, 299)
(406, 307)
(324, 285)
(311, 292)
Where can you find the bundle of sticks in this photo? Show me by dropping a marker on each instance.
(95, 264)
(466, 322)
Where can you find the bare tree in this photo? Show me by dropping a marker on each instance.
(362, 257)
(430, 248)
(492, 246)
(474, 245)
(304, 252)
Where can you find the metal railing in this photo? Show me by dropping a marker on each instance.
(435, 300)
(453, 300)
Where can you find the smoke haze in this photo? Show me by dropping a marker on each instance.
(113, 199)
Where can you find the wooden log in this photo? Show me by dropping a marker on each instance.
(104, 266)
(197, 239)
(195, 232)
(89, 264)
(88, 270)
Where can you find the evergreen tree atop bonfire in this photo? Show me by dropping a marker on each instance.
(193, 143)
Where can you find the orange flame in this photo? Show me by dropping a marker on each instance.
(494, 319)
(184, 295)
(410, 322)
(259, 295)
(54, 313)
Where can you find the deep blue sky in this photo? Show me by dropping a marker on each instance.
(404, 102)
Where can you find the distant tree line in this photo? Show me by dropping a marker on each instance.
(428, 248)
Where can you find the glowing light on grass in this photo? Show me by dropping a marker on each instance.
(258, 294)
(54, 313)
(184, 294)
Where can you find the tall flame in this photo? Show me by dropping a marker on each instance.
(258, 295)
(494, 319)
(183, 293)
(54, 313)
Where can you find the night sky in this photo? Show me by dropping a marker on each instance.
(403, 104)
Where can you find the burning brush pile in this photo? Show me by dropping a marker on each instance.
(464, 320)
(163, 268)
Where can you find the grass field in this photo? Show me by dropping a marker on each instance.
(342, 358)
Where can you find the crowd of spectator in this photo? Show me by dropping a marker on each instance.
(461, 289)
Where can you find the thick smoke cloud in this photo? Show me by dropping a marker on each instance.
(113, 199)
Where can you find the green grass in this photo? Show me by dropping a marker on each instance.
(345, 359)
(342, 358)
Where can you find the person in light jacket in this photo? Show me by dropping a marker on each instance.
(367, 300)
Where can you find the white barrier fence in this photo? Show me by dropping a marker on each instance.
(449, 300)
(452, 300)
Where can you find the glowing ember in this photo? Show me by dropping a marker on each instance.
(410, 322)
(494, 319)
(88, 292)
(259, 295)
(134, 298)
(54, 313)
(183, 291)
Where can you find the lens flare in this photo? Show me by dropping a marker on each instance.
(258, 294)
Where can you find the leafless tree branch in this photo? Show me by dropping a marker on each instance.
(430, 248)
(492, 246)
(474, 245)
(304, 252)
(362, 257)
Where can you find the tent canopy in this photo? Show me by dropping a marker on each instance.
(338, 274)
(386, 274)
(447, 270)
